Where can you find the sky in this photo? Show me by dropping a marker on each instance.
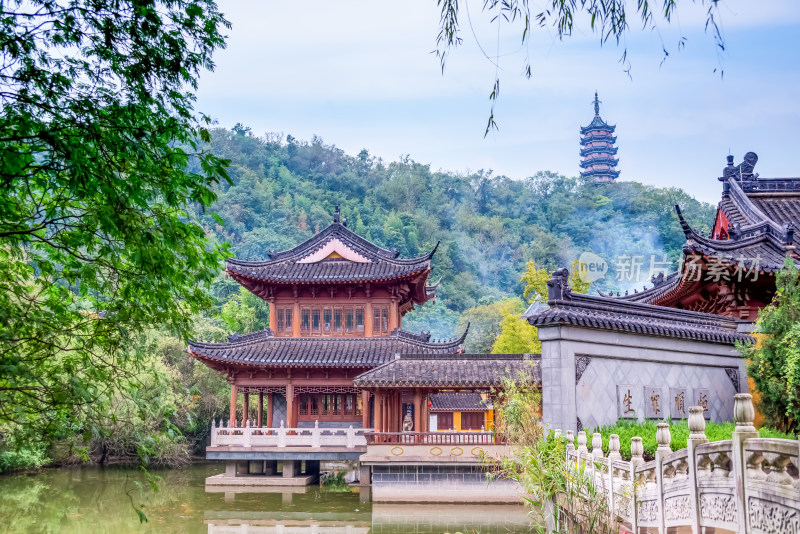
(362, 75)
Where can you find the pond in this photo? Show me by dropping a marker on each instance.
(98, 500)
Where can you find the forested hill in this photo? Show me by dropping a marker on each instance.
(284, 190)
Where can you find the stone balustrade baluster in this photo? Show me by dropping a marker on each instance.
(613, 447)
(637, 451)
(281, 435)
(350, 440)
(597, 445)
(315, 435)
(556, 433)
(697, 425)
(570, 441)
(582, 449)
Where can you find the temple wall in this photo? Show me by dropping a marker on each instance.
(592, 377)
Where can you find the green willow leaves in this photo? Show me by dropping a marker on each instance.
(97, 130)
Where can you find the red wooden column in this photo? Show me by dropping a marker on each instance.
(378, 410)
(364, 408)
(260, 409)
(290, 423)
(269, 410)
(234, 396)
(246, 409)
(417, 410)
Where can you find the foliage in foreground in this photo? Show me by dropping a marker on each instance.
(562, 497)
(679, 432)
(97, 247)
(774, 363)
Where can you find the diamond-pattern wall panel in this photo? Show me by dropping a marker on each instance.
(596, 391)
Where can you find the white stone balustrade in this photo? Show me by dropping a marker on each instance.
(747, 484)
(248, 436)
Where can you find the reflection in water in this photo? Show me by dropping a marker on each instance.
(96, 500)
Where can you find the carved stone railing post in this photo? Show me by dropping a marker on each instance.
(637, 458)
(570, 442)
(248, 432)
(350, 440)
(315, 435)
(213, 433)
(697, 437)
(582, 449)
(743, 415)
(556, 433)
(613, 447)
(663, 438)
(281, 436)
(597, 445)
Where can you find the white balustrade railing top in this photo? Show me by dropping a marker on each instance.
(227, 435)
(745, 484)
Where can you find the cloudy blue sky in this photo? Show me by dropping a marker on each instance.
(361, 75)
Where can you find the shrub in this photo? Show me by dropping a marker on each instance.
(679, 432)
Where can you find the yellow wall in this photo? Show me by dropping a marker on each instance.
(457, 421)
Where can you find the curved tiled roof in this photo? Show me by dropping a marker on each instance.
(567, 308)
(374, 263)
(266, 350)
(458, 402)
(451, 370)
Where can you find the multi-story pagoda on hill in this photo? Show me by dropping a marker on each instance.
(732, 270)
(598, 150)
(336, 305)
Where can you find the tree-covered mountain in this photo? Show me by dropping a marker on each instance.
(284, 190)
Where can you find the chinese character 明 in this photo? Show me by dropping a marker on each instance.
(702, 400)
(679, 403)
(654, 402)
(629, 268)
(627, 400)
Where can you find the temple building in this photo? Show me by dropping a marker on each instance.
(598, 150)
(336, 307)
(732, 271)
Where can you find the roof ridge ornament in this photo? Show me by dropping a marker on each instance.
(558, 286)
(336, 215)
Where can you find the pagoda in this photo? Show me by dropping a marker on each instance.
(336, 306)
(598, 150)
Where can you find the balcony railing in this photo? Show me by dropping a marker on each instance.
(315, 437)
(434, 438)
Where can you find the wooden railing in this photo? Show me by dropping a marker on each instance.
(434, 438)
(223, 435)
(747, 484)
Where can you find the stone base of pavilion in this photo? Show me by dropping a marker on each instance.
(250, 473)
(223, 481)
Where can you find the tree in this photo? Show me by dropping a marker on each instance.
(97, 130)
(608, 18)
(774, 363)
(517, 335)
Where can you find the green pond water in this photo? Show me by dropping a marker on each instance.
(97, 500)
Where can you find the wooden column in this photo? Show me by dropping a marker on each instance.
(426, 414)
(290, 423)
(269, 410)
(378, 410)
(365, 408)
(234, 397)
(368, 320)
(259, 421)
(273, 317)
(296, 319)
(246, 409)
(393, 315)
(417, 410)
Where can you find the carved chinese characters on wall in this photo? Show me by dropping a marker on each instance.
(627, 401)
(679, 403)
(654, 405)
(701, 398)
